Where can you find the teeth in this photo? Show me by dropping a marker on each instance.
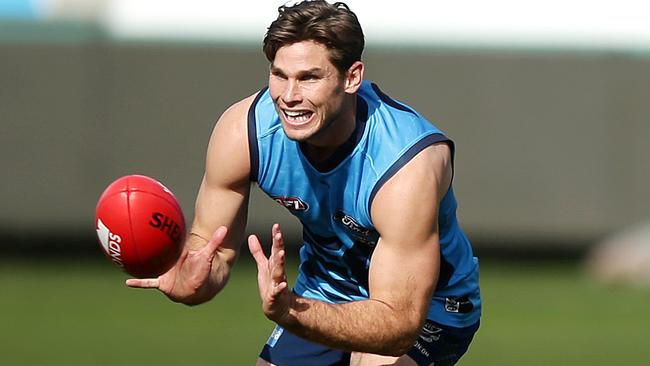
(297, 116)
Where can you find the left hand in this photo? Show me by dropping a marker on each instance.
(272, 276)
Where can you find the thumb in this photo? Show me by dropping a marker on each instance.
(216, 241)
(143, 282)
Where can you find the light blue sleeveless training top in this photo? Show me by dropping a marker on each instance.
(332, 200)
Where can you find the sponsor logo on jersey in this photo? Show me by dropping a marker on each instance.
(294, 204)
(458, 305)
(361, 234)
(111, 243)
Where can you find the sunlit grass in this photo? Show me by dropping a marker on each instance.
(78, 312)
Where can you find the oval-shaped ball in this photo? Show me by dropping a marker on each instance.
(140, 225)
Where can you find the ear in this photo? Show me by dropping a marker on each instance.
(354, 77)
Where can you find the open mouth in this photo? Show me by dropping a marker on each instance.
(299, 117)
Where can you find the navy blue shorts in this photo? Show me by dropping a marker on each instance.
(439, 344)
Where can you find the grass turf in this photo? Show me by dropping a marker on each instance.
(78, 312)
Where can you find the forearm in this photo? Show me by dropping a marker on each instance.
(368, 326)
(388, 323)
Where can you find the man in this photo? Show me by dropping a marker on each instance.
(386, 276)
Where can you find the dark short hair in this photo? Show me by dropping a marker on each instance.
(333, 25)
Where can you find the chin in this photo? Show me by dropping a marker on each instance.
(297, 134)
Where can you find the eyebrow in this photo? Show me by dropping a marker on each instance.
(313, 70)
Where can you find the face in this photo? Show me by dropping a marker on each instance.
(309, 92)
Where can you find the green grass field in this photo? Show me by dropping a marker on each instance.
(78, 312)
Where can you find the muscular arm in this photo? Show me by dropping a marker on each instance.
(403, 270)
(223, 195)
(219, 218)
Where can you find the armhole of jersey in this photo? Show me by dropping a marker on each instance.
(253, 148)
(406, 157)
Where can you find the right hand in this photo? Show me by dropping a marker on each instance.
(189, 280)
(272, 276)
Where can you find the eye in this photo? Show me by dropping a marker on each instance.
(278, 74)
(309, 77)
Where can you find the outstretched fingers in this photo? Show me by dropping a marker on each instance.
(271, 275)
(278, 241)
(256, 250)
(278, 259)
(168, 280)
(271, 270)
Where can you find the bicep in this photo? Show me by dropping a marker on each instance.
(405, 264)
(404, 278)
(223, 195)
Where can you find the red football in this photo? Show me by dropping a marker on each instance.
(140, 225)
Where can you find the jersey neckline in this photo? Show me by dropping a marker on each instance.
(345, 149)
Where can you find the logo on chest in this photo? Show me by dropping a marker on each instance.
(367, 236)
(293, 204)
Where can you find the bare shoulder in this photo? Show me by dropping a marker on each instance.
(433, 159)
(413, 194)
(431, 168)
(228, 156)
(236, 115)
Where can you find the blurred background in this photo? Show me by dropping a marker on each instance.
(548, 103)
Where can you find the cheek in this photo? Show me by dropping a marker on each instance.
(332, 103)
(277, 86)
(319, 96)
(274, 90)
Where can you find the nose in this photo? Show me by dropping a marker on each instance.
(292, 94)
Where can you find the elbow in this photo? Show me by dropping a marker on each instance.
(402, 329)
(403, 343)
